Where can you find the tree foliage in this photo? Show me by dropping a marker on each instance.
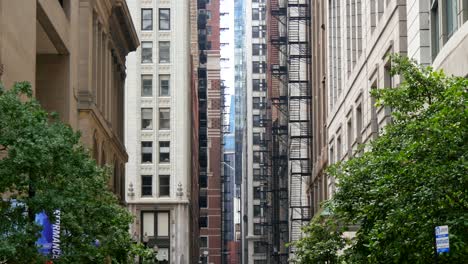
(44, 167)
(413, 176)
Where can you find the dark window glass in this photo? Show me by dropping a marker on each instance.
(203, 200)
(164, 19)
(147, 152)
(147, 19)
(164, 85)
(257, 211)
(147, 85)
(146, 185)
(259, 247)
(164, 185)
(203, 242)
(258, 230)
(146, 52)
(164, 52)
(255, 14)
(164, 153)
(147, 118)
(164, 119)
(255, 32)
(203, 221)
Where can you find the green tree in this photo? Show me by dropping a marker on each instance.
(44, 167)
(413, 176)
(322, 242)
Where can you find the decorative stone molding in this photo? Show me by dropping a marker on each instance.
(146, 169)
(146, 135)
(164, 68)
(164, 101)
(180, 191)
(131, 191)
(164, 169)
(147, 68)
(146, 102)
(147, 36)
(164, 134)
(164, 35)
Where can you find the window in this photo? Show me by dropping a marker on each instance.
(255, 14)
(260, 261)
(258, 230)
(164, 185)
(163, 224)
(146, 52)
(338, 148)
(147, 118)
(257, 211)
(146, 185)
(203, 200)
(147, 85)
(208, 14)
(258, 67)
(203, 221)
(256, 157)
(358, 121)
(146, 152)
(435, 28)
(256, 138)
(148, 224)
(258, 49)
(203, 242)
(256, 120)
(164, 52)
(164, 154)
(164, 19)
(257, 193)
(350, 135)
(208, 30)
(257, 174)
(203, 181)
(164, 119)
(147, 19)
(255, 32)
(259, 247)
(164, 85)
(451, 15)
(258, 85)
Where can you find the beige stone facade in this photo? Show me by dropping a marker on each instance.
(359, 34)
(73, 53)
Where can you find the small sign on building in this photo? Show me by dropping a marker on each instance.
(442, 239)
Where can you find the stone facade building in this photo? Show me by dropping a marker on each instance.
(73, 53)
(158, 127)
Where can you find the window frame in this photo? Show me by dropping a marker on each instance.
(146, 77)
(166, 58)
(143, 19)
(164, 118)
(168, 20)
(165, 77)
(168, 160)
(148, 153)
(143, 186)
(151, 123)
(148, 60)
(168, 186)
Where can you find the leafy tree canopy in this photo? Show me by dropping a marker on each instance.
(44, 167)
(413, 176)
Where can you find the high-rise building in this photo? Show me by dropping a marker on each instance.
(210, 129)
(158, 128)
(73, 54)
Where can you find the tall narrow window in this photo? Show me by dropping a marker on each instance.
(148, 224)
(146, 152)
(146, 185)
(164, 119)
(146, 52)
(358, 121)
(350, 139)
(164, 52)
(164, 152)
(163, 224)
(338, 148)
(451, 15)
(164, 19)
(147, 118)
(255, 32)
(164, 85)
(147, 19)
(164, 185)
(255, 14)
(258, 230)
(147, 85)
(435, 28)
